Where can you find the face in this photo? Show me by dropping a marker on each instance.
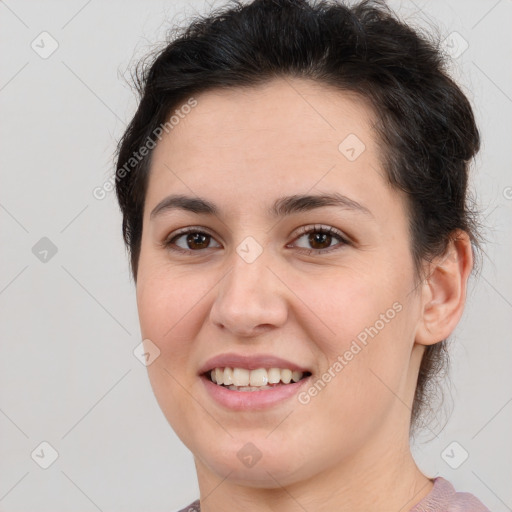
(251, 281)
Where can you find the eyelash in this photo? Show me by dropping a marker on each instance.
(305, 230)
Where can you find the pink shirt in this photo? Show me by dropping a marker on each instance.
(442, 498)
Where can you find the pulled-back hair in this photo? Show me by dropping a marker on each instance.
(425, 125)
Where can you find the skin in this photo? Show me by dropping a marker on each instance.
(348, 448)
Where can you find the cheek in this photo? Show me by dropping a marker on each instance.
(169, 305)
(169, 315)
(347, 306)
(361, 330)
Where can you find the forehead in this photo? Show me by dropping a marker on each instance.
(299, 112)
(287, 136)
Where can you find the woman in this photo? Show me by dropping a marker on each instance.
(294, 196)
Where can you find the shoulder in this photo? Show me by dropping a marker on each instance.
(444, 498)
(193, 507)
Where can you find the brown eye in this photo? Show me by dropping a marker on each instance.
(189, 240)
(197, 240)
(320, 240)
(317, 239)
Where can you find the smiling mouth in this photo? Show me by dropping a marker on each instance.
(242, 379)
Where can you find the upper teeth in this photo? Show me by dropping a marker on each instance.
(259, 377)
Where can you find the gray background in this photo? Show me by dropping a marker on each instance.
(68, 375)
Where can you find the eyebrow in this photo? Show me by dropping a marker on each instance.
(282, 207)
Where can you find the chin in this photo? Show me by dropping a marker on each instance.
(261, 466)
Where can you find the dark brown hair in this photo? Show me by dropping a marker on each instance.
(425, 124)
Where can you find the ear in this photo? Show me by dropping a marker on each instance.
(444, 291)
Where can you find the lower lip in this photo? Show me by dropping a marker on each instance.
(246, 400)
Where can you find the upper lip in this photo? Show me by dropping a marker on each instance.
(249, 362)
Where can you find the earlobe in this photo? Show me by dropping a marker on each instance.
(444, 291)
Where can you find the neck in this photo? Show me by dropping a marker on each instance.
(381, 477)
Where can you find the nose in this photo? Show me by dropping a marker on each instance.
(250, 299)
